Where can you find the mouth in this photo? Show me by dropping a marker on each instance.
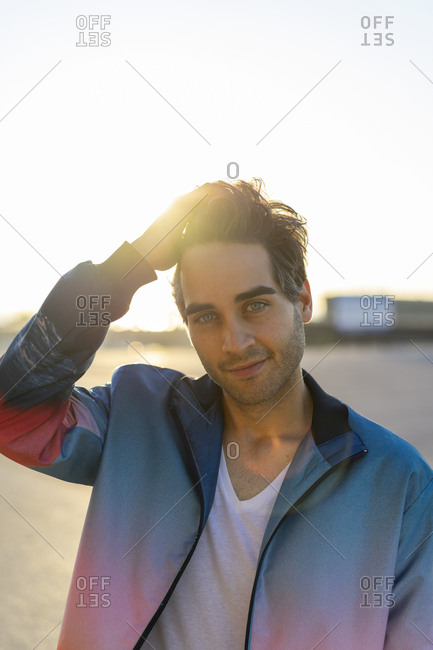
(247, 370)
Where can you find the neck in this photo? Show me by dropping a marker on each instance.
(286, 418)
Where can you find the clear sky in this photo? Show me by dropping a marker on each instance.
(329, 105)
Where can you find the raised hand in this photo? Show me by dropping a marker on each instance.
(160, 243)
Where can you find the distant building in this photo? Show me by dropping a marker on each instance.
(379, 316)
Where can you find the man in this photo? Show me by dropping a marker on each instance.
(245, 509)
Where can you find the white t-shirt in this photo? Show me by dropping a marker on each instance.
(209, 607)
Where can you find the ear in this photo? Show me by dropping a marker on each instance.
(306, 302)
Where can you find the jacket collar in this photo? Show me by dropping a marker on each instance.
(197, 407)
(202, 396)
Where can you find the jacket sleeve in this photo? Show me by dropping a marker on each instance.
(410, 621)
(45, 422)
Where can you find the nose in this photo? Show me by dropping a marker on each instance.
(236, 337)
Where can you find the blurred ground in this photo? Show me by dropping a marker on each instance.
(42, 517)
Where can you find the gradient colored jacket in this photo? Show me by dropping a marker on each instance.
(347, 557)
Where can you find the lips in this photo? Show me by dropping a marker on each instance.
(247, 370)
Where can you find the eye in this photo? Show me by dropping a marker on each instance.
(257, 305)
(205, 318)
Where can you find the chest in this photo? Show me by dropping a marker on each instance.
(250, 473)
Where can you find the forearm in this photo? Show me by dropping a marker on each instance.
(42, 364)
(87, 299)
(73, 321)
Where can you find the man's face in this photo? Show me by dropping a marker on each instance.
(248, 335)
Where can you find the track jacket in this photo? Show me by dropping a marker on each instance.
(347, 556)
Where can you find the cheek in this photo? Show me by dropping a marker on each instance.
(204, 343)
(268, 328)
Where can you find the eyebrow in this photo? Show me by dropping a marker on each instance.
(260, 290)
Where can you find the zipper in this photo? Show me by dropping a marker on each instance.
(359, 454)
(167, 596)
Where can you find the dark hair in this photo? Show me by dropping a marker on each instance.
(239, 212)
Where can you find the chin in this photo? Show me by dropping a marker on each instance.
(252, 397)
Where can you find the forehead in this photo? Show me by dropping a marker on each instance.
(222, 270)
